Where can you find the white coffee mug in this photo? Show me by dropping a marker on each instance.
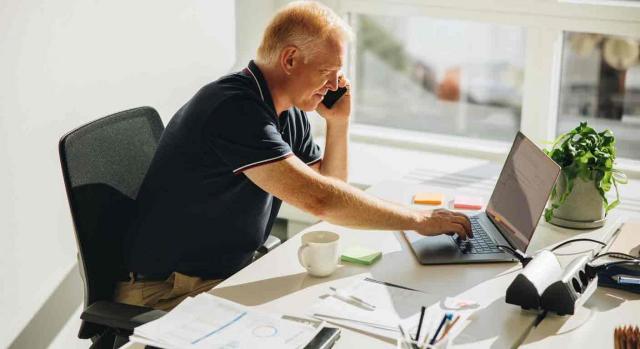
(319, 252)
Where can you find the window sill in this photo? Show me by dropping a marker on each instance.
(431, 142)
(616, 3)
(630, 167)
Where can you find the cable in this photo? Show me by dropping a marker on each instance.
(610, 264)
(592, 270)
(508, 248)
(539, 318)
(522, 257)
(577, 240)
(618, 255)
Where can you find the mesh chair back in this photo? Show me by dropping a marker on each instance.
(103, 164)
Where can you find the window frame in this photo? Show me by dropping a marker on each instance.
(544, 22)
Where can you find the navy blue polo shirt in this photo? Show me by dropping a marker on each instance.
(198, 214)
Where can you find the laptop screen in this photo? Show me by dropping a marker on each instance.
(524, 185)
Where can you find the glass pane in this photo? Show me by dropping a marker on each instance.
(600, 84)
(439, 76)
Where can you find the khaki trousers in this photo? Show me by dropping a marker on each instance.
(163, 295)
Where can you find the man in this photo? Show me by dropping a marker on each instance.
(240, 146)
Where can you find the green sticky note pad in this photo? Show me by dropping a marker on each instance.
(360, 255)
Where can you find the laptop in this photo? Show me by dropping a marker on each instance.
(511, 216)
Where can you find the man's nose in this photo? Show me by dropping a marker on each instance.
(332, 83)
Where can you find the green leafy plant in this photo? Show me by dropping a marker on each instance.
(589, 155)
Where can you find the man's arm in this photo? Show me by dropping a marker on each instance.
(335, 159)
(337, 202)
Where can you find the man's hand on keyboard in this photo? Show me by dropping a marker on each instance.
(443, 221)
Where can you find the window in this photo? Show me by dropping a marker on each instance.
(439, 76)
(600, 83)
(463, 76)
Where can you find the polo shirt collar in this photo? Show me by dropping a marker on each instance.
(263, 90)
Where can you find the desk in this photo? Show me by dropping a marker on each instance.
(277, 283)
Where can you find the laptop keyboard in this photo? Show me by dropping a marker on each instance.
(481, 242)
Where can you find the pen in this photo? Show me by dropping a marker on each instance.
(446, 317)
(626, 280)
(343, 294)
(425, 341)
(390, 284)
(420, 323)
(371, 324)
(406, 337)
(448, 328)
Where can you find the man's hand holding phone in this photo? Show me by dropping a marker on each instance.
(340, 109)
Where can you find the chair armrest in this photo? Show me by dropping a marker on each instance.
(271, 243)
(119, 316)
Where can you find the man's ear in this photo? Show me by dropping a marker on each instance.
(289, 59)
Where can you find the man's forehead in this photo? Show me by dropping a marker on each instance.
(333, 54)
(332, 58)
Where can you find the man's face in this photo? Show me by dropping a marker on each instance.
(312, 79)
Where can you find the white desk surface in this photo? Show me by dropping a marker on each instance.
(591, 326)
(277, 283)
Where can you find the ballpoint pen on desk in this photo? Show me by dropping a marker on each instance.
(366, 323)
(345, 296)
(406, 338)
(446, 317)
(425, 341)
(422, 310)
(448, 328)
(626, 280)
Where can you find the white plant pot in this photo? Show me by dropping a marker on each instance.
(583, 208)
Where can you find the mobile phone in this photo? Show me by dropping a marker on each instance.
(332, 96)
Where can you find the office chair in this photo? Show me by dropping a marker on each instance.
(103, 165)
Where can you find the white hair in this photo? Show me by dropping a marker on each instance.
(304, 24)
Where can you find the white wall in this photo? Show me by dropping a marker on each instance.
(64, 63)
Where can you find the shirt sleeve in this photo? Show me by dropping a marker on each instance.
(246, 135)
(306, 149)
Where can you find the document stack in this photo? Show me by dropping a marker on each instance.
(207, 321)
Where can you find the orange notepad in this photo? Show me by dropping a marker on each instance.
(467, 202)
(428, 198)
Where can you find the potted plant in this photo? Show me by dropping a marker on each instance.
(587, 157)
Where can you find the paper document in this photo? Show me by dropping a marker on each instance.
(394, 305)
(207, 321)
